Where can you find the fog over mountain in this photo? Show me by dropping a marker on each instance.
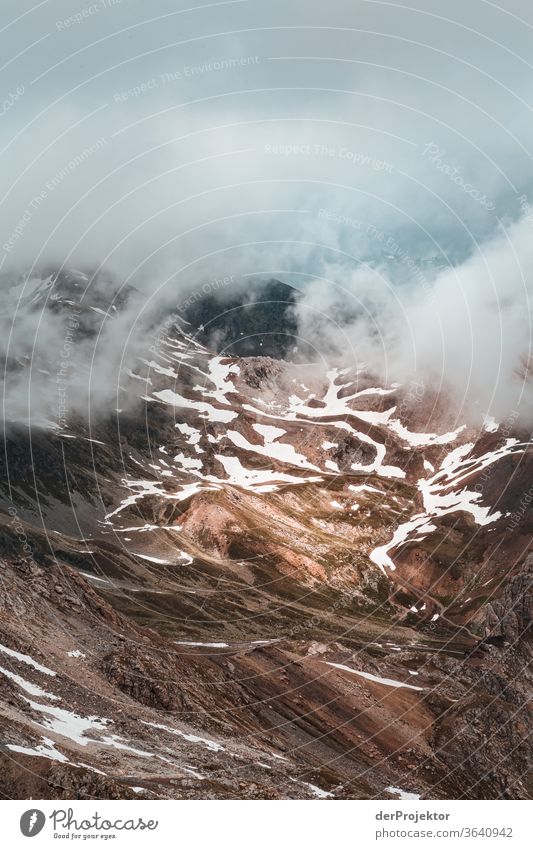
(296, 142)
(267, 405)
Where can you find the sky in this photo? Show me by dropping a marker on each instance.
(355, 149)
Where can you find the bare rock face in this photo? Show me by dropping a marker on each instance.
(39, 778)
(261, 373)
(210, 525)
(150, 680)
(351, 451)
(487, 734)
(511, 615)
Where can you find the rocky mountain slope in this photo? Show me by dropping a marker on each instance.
(264, 579)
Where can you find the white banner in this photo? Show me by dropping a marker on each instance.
(258, 824)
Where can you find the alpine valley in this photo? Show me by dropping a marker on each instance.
(261, 576)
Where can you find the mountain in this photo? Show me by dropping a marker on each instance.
(57, 289)
(257, 321)
(260, 578)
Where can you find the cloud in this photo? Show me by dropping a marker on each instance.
(299, 141)
(466, 330)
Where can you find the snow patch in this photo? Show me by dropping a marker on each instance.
(191, 738)
(27, 686)
(402, 794)
(46, 749)
(387, 682)
(25, 658)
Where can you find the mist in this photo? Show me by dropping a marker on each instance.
(375, 156)
(467, 330)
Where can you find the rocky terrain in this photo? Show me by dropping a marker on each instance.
(262, 579)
